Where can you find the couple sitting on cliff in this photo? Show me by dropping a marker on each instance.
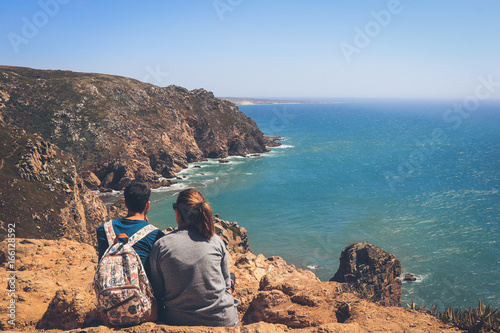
(188, 268)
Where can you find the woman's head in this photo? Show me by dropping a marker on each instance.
(194, 212)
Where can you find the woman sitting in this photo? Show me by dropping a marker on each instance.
(190, 268)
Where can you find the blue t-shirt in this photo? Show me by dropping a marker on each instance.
(130, 227)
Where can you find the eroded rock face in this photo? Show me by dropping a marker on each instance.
(120, 129)
(235, 237)
(372, 272)
(292, 297)
(69, 309)
(53, 283)
(41, 192)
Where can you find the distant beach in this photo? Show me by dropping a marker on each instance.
(254, 101)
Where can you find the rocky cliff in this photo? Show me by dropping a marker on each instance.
(41, 193)
(63, 133)
(53, 290)
(119, 129)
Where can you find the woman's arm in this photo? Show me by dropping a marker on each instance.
(156, 278)
(225, 267)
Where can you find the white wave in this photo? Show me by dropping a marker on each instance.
(272, 153)
(203, 174)
(235, 157)
(213, 161)
(283, 147)
(198, 165)
(177, 187)
(107, 194)
(312, 267)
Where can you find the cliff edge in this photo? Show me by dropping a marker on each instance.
(52, 290)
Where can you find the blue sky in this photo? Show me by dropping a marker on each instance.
(265, 48)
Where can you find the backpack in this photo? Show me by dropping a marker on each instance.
(124, 294)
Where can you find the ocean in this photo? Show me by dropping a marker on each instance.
(417, 178)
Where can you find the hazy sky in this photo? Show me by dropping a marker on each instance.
(265, 48)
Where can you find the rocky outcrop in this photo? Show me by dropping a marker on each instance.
(41, 192)
(58, 273)
(53, 290)
(235, 237)
(69, 309)
(371, 272)
(119, 129)
(410, 277)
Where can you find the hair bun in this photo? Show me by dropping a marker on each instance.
(198, 213)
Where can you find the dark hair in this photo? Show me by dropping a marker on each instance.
(196, 212)
(137, 196)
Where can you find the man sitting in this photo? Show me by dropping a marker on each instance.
(137, 203)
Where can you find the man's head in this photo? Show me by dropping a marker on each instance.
(137, 196)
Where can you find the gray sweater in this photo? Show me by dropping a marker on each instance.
(190, 276)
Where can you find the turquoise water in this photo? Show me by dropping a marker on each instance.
(407, 176)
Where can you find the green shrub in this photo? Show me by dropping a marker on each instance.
(482, 318)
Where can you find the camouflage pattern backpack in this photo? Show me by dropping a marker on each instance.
(124, 294)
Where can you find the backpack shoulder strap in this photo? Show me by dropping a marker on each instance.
(141, 234)
(110, 233)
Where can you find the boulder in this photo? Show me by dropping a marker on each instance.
(146, 175)
(410, 277)
(371, 272)
(297, 298)
(271, 141)
(108, 179)
(234, 236)
(91, 180)
(53, 283)
(69, 309)
(169, 174)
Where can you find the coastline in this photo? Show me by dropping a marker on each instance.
(184, 179)
(265, 101)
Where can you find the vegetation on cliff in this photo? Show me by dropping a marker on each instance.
(482, 318)
(119, 129)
